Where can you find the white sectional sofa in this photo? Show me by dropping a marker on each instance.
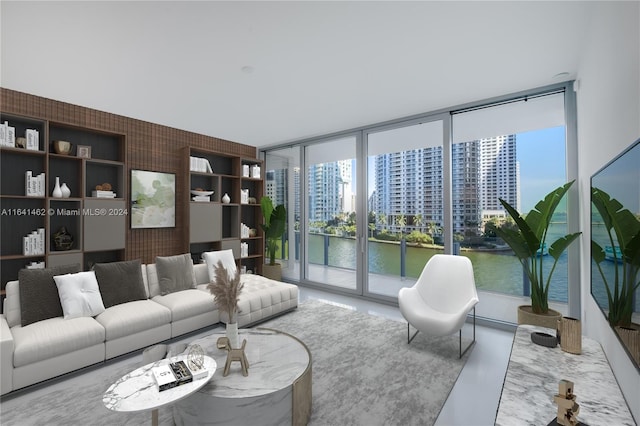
(54, 346)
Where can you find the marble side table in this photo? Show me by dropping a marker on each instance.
(137, 391)
(277, 390)
(532, 379)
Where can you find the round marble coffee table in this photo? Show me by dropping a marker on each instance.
(277, 390)
(137, 391)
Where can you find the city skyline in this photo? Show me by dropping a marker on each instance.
(540, 155)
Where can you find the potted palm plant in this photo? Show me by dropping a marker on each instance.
(274, 227)
(528, 243)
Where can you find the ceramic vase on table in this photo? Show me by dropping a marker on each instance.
(57, 190)
(66, 192)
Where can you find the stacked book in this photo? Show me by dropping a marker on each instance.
(171, 375)
(103, 194)
(33, 244)
(34, 185)
(201, 198)
(35, 265)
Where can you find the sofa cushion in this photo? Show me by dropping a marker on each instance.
(39, 299)
(53, 337)
(175, 273)
(262, 298)
(120, 282)
(187, 303)
(133, 317)
(225, 256)
(79, 294)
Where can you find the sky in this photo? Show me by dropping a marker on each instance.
(542, 157)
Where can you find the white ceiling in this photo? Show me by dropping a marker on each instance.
(317, 67)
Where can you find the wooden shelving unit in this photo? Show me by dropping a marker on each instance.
(215, 225)
(98, 225)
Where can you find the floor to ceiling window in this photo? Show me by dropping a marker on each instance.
(331, 249)
(405, 215)
(282, 185)
(373, 205)
(515, 152)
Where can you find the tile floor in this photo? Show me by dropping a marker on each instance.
(474, 399)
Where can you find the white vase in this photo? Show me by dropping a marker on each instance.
(66, 192)
(226, 199)
(57, 191)
(232, 334)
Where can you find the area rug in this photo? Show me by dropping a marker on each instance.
(364, 373)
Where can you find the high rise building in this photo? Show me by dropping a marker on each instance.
(499, 176)
(410, 183)
(327, 185)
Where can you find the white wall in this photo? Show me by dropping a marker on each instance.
(608, 122)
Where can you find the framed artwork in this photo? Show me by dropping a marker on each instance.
(153, 199)
(84, 151)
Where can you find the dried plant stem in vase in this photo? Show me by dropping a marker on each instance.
(226, 291)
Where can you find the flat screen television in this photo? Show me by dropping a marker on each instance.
(615, 246)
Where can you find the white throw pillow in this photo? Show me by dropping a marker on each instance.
(79, 294)
(211, 258)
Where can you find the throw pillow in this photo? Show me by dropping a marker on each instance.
(120, 282)
(226, 256)
(79, 295)
(39, 299)
(175, 273)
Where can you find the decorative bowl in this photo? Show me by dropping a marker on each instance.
(62, 147)
(201, 193)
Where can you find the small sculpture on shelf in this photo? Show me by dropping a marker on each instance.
(66, 192)
(62, 239)
(57, 190)
(103, 190)
(568, 409)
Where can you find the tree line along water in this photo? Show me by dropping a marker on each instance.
(498, 271)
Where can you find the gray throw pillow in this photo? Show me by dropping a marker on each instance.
(120, 282)
(39, 298)
(175, 273)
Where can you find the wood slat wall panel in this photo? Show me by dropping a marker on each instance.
(148, 146)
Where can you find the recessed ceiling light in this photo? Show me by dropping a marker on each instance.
(247, 69)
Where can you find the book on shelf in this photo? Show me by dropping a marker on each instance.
(201, 198)
(7, 135)
(34, 186)
(197, 164)
(33, 243)
(35, 265)
(33, 139)
(103, 194)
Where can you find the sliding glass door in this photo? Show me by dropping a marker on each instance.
(368, 208)
(331, 226)
(405, 203)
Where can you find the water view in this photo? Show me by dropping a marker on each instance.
(497, 271)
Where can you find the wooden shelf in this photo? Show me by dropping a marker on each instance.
(226, 179)
(107, 164)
